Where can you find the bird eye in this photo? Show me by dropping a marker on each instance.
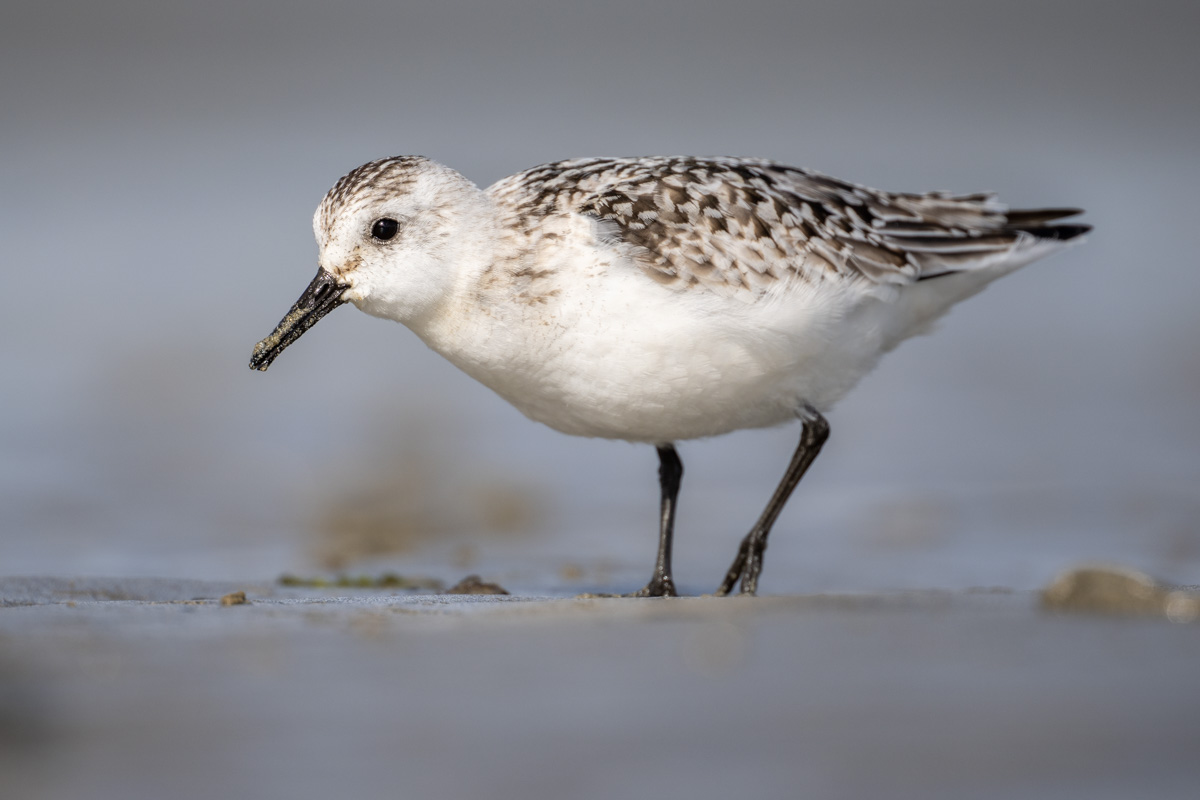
(385, 228)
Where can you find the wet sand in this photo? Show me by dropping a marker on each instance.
(152, 689)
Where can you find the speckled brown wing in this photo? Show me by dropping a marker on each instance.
(733, 224)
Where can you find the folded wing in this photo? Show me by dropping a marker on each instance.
(733, 225)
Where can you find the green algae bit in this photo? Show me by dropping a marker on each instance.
(388, 580)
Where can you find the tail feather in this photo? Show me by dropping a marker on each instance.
(953, 269)
(1020, 236)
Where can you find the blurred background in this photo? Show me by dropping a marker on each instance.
(161, 163)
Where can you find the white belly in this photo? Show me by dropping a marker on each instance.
(619, 362)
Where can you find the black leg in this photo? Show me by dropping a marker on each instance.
(748, 564)
(670, 472)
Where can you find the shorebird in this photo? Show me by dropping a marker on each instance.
(660, 299)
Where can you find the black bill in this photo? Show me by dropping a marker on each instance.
(323, 295)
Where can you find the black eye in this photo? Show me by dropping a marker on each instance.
(385, 228)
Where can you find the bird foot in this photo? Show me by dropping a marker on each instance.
(657, 587)
(746, 567)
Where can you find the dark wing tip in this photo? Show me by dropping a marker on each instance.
(1030, 217)
(1060, 232)
(1033, 221)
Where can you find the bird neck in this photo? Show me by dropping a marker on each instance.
(483, 323)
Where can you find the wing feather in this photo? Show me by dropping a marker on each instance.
(733, 224)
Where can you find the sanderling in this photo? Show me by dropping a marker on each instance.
(660, 299)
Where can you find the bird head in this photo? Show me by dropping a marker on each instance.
(391, 235)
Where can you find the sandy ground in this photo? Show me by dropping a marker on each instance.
(151, 689)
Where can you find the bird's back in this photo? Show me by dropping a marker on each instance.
(735, 225)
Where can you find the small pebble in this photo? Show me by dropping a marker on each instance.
(1119, 591)
(473, 584)
(234, 599)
